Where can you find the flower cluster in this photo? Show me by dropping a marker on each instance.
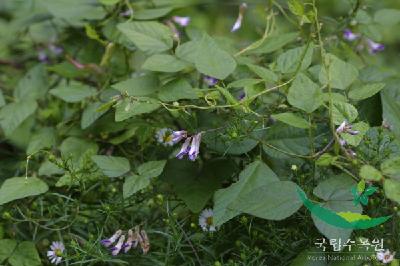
(206, 220)
(190, 147)
(346, 127)
(50, 50)
(385, 256)
(133, 239)
(56, 252)
(373, 47)
(210, 81)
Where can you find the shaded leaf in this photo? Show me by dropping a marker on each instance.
(20, 187)
(112, 166)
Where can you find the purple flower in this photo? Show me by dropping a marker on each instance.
(374, 47)
(56, 50)
(210, 81)
(195, 147)
(178, 136)
(42, 56)
(117, 248)
(242, 95)
(182, 21)
(132, 241)
(126, 13)
(185, 149)
(350, 36)
(108, 242)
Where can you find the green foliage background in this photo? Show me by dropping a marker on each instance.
(87, 84)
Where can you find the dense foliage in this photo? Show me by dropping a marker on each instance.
(198, 132)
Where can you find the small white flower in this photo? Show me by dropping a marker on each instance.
(56, 252)
(385, 256)
(182, 21)
(238, 22)
(165, 137)
(206, 220)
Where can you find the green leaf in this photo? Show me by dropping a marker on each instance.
(45, 138)
(387, 17)
(365, 91)
(48, 169)
(236, 146)
(255, 175)
(342, 111)
(138, 86)
(177, 90)
(74, 148)
(127, 108)
(164, 63)
(354, 140)
(286, 139)
(109, 2)
(112, 166)
(336, 191)
(2, 101)
(150, 37)
(242, 83)
(133, 184)
(91, 114)
(152, 168)
(392, 189)
(352, 217)
(305, 94)
(391, 167)
(25, 255)
(296, 7)
(196, 186)
(146, 14)
(290, 61)
(391, 106)
(341, 74)
(74, 92)
(292, 120)
(279, 201)
(7, 247)
(275, 42)
(13, 114)
(187, 51)
(263, 73)
(20, 187)
(369, 173)
(211, 60)
(33, 85)
(361, 186)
